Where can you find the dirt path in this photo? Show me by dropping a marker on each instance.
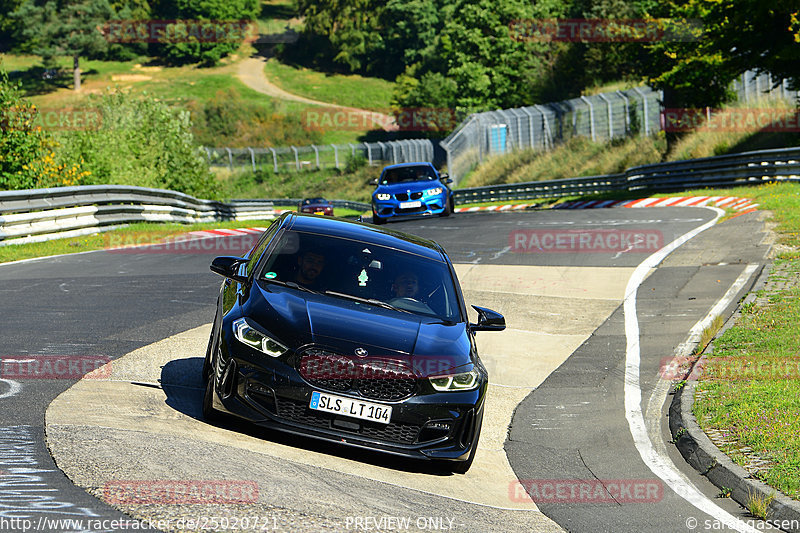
(251, 72)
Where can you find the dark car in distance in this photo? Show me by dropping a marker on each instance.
(411, 190)
(316, 206)
(356, 335)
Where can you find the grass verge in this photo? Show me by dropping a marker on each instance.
(751, 393)
(349, 90)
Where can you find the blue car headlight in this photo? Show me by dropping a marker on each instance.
(434, 191)
(255, 339)
(383, 196)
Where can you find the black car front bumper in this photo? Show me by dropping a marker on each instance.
(426, 425)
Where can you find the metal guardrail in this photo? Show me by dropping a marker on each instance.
(732, 170)
(36, 215)
(293, 202)
(43, 214)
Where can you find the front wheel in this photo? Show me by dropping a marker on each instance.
(377, 220)
(448, 208)
(463, 466)
(209, 413)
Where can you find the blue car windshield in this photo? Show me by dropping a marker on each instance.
(359, 271)
(405, 174)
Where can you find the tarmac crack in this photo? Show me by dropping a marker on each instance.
(597, 478)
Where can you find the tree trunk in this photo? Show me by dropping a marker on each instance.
(76, 73)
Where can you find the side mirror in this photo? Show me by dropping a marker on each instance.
(228, 267)
(373, 182)
(447, 180)
(488, 320)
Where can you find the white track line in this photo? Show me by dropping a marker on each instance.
(661, 466)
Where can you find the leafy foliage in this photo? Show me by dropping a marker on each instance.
(183, 46)
(64, 28)
(141, 142)
(27, 156)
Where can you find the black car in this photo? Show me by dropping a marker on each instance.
(350, 333)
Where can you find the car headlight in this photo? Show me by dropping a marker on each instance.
(455, 382)
(434, 191)
(254, 338)
(383, 196)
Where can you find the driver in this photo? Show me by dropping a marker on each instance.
(406, 285)
(310, 265)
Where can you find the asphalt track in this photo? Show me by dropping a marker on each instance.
(571, 424)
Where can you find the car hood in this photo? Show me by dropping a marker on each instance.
(408, 186)
(297, 319)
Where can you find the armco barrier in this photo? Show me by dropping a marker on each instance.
(748, 168)
(43, 214)
(35, 215)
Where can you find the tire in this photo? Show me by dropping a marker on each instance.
(448, 208)
(377, 220)
(463, 466)
(209, 350)
(209, 413)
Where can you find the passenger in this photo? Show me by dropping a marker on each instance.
(406, 285)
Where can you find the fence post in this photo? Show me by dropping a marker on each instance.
(335, 155)
(610, 115)
(352, 150)
(252, 159)
(316, 155)
(369, 154)
(627, 112)
(230, 159)
(383, 151)
(208, 152)
(645, 119)
(547, 137)
(274, 160)
(296, 158)
(530, 125)
(744, 86)
(591, 117)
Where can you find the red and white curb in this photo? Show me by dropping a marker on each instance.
(508, 207)
(731, 202)
(214, 233)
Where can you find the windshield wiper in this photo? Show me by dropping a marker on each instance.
(292, 284)
(370, 301)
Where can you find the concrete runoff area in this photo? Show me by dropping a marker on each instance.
(139, 430)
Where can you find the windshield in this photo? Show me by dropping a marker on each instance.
(402, 174)
(343, 268)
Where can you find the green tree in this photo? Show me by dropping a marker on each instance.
(64, 28)
(214, 18)
(735, 36)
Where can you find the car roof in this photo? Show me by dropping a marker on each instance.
(413, 164)
(368, 233)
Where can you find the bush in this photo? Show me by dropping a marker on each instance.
(141, 142)
(227, 120)
(28, 155)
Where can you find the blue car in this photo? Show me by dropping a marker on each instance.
(411, 189)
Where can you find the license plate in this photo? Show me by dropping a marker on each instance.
(408, 205)
(351, 407)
